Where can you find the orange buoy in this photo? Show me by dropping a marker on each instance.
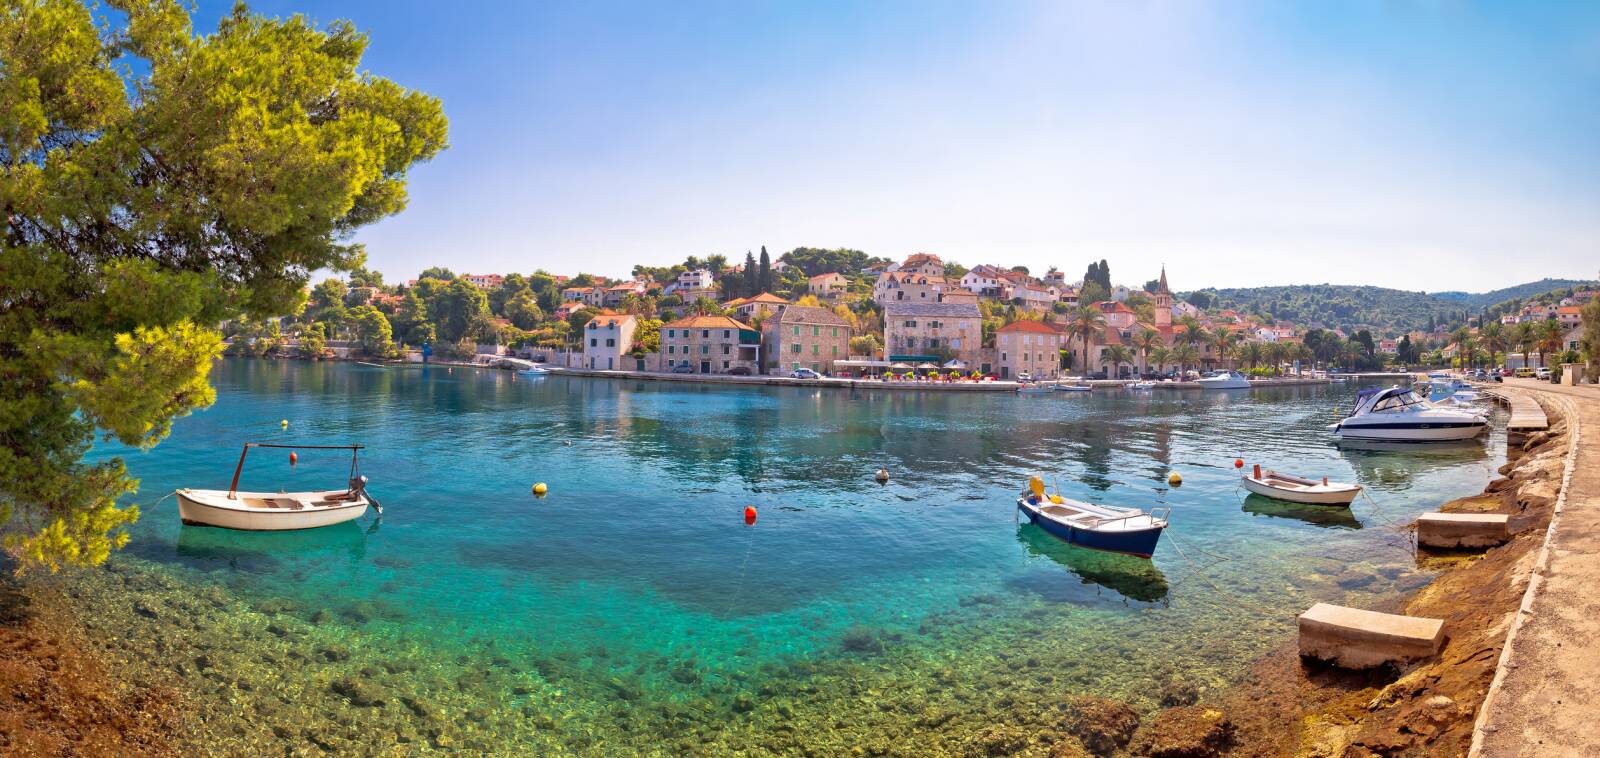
(1257, 471)
(749, 514)
(1238, 463)
(293, 459)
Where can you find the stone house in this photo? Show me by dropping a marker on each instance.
(710, 345)
(800, 336)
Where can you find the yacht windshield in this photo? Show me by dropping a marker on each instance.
(1399, 401)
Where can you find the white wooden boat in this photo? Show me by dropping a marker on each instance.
(1034, 389)
(1297, 489)
(1144, 385)
(1225, 380)
(280, 511)
(1073, 388)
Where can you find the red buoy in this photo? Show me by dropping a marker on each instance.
(1238, 463)
(293, 459)
(749, 514)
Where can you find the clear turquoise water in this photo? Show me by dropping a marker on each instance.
(638, 564)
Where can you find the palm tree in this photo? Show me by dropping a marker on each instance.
(1084, 322)
(1493, 339)
(705, 306)
(1250, 352)
(1145, 341)
(1549, 334)
(1160, 354)
(1185, 355)
(1303, 354)
(1522, 337)
(1463, 339)
(1193, 331)
(1272, 353)
(1223, 341)
(1116, 355)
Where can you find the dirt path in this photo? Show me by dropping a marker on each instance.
(1547, 693)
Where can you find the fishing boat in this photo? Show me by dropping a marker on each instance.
(1034, 389)
(534, 371)
(1073, 388)
(1399, 415)
(1102, 527)
(1224, 380)
(1144, 385)
(1298, 489)
(280, 511)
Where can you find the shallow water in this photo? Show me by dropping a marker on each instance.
(632, 610)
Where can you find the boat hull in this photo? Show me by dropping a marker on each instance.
(201, 508)
(1224, 384)
(1141, 542)
(1337, 496)
(1399, 432)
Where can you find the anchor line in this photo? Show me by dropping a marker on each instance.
(1198, 570)
(1401, 529)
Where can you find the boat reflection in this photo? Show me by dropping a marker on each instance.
(1332, 517)
(1385, 464)
(210, 548)
(1124, 575)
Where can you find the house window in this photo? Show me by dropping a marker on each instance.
(815, 349)
(594, 342)
(705, 333)
(816, 331)
(911, 324)
(835, 350)
(1005, 339)
(670, 333)
(956, 343)
(836, 331)
(724, 349)
(726, 334)
(1002, 356)
(705, 349)
(611, 343)
(796, 348)
(796, 331)
(672, 350)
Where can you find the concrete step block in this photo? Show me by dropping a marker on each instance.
(1357, 639)
(1456, 530)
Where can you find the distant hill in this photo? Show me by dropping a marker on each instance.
(1519, 292)
(1378, 308)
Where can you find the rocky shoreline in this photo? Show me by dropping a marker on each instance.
(1288, 706)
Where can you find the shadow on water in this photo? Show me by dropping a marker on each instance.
(211, 549)
(1125, 576)
(1329, 516)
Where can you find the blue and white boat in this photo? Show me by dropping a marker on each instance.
(534, 371)
(1101, 527)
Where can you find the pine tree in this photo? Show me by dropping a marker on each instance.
(764, 281)
(751, 282)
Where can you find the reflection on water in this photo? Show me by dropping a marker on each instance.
(638, 575)
(1127, 576)
(1333, 517)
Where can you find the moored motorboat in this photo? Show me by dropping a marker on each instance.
(1073, 387)
(1400, 415)
(1224, 380)
(1298, 489)
(1102, 527)
(534, 371)
(1144, 385)
(1034, 389)
(277, 511)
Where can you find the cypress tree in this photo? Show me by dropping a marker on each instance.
(764, 281)
(751, 285)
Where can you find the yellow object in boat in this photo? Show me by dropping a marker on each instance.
(1057, 499)
(1036, 486)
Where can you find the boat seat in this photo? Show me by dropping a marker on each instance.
(288, 503)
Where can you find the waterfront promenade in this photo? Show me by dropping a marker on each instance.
(1547, 688)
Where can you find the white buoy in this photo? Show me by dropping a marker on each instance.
(882, 475)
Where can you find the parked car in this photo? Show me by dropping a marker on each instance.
(739, 371)
(804, 373)
(1023, 376)
(1542, 373)
(683, 368)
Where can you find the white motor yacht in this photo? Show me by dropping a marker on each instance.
(1225, 380)
(1400, 415)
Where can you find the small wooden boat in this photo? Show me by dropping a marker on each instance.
(1145, 385)
(1073, 388)
(534, 371)
(1101, 527)
(266, 511)
(1034, 389)
(1296, 489)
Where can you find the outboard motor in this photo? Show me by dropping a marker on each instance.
(358, 486)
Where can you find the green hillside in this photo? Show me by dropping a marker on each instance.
(1377, 308)
(1519, 292)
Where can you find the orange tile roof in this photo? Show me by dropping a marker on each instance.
(708, 322)
(1029, 325)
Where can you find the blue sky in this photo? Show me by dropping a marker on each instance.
(1426, 146)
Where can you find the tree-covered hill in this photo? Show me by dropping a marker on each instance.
(1519, 292)
(1377, 308)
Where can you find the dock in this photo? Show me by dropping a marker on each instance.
(1464, 530)
(1546, 688)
